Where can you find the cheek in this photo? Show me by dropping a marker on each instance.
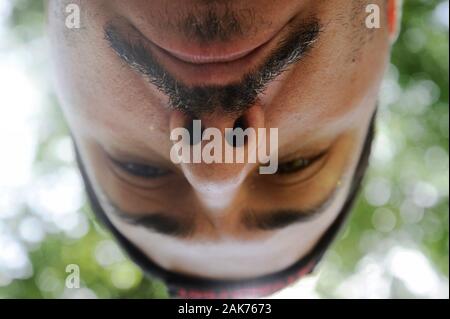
(332, 82)
(94, 86)
(104, 99)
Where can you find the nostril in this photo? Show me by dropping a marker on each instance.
(195, 130)
(237, 138)
(240, 123)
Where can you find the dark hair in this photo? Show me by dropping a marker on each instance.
(186, 286)
(234, 98)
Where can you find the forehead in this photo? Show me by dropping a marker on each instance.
(227, 257)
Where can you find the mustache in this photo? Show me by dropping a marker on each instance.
(234, 98)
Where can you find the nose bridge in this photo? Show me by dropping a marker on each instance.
(217, 181)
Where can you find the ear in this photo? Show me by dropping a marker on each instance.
(394, 16)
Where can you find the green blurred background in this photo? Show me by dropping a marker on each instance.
(396, 242)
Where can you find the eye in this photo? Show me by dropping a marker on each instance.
(297, 164)
(142, 170)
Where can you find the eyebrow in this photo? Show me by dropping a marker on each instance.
(282, 218)
(159, 222)
(163, 224)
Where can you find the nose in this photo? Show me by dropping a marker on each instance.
(223, 150)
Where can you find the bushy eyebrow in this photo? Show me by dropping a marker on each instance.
(159, 222)
(164, 224)
(282, 218)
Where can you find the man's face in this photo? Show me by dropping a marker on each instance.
(138, 69)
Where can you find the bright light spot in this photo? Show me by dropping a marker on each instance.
(79, 228)
(378, 191)
(5, 280)
(58, 194)
(425, 195)
(390, 89)
(124, 276)
(418, 97)
(79, 293)
(368, 281)
(437, 163)
(31, 230)
(108, 253)
(410, 212)
(376, 273)
(441, 13)
(416, 130)
(13, 257)
(384, 220)
(369, 239)
(49, 281)
(19, 100)
(63, 150)
(416, 272)
(436, 158)
(302, 289)
(383, 150)
(415, 39)
(5, 10)
(8, 203)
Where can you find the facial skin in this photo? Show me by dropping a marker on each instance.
(314, 75)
